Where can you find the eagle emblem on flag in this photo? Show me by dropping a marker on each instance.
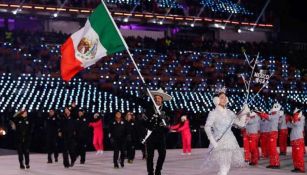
(87, 48)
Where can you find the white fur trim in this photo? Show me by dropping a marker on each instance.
(216, 101)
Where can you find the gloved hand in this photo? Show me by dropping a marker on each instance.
(162, 115)
(288, 118)
(263, 116)
(296, 117)
(214, 144)
(244, 111)
(281, 113)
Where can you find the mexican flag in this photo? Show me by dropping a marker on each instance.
(98, 38)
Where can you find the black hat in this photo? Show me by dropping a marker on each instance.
(69, 107)
(81, 109)
(116, 111)
(52, 108)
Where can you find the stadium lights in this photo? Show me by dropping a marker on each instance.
(239, 31)
(55, 15)
(192, 25)
(15, 12)
(126, 19)
(161, 22)
(219, 26)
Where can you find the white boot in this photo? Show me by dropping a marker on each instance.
(224, 170)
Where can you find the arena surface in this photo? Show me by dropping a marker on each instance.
(175, 164)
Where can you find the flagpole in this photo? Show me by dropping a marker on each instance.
(130, 56)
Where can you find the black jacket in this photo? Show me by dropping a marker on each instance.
(23, 129)
(131, 131)
(154, 121)
(68, 128)
(82, 127)
(52, 126)
(118, 130)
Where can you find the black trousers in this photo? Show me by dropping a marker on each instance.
(158, 143)
(119, 146)
(23, 153)
(69, 150)
(82, 145)
(52, 147)
(130, 150)
(143, 149)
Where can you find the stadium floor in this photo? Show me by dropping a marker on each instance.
(175, 164)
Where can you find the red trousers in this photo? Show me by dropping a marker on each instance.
(264, 144)
(247, 155)
(253, 140)
(185, 135)
(282, 139)
(273, 154)
(304, 142)
(186, 141)
(298, 148)
(98, 141)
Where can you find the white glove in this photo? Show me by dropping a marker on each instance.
(281, 113)
(245, 110)
(214, 144)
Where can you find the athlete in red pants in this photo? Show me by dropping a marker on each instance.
(273, 120)
(98, 133)
(264, 135)
(297, 141)
(184, 128)
(273, 154)
(252, 129)
(282, 135)
(247, 153)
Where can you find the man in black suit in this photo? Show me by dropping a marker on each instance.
(158, 124)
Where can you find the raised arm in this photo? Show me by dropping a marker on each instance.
(241, 118)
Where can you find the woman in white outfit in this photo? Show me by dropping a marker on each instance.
(226, 152)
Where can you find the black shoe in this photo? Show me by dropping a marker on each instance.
(130, 161)
(22, 167)
(72, 163)
(28, 166)
(66, 166)
(252, 164)
(82, 162)
(282, 154)
(49, 161)
(116, 166)
(158, 173)
(56, 159)
(273, 167)
(122, 164)
(297, 171)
